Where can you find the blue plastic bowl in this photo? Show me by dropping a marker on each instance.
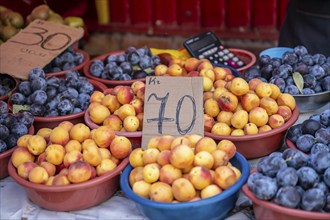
(275, 51)
(216, 207)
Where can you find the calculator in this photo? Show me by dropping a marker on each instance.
(207, 45)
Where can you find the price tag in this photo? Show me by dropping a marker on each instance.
(35, 46)
(172, 106)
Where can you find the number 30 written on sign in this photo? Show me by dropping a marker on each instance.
(160, 119)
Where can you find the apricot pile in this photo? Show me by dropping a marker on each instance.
(182, 169)
(121, 107)
(69, 154)
(242, 108)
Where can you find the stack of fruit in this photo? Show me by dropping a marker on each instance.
(10, 23)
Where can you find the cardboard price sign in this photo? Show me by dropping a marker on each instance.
(172, 106)
(35, 46)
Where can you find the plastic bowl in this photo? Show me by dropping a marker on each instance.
(108, 82)
(271, 211)
(14, 87)
(5, 157)
(259, 145)
(275, 51)
(52, 122)
(78, 68)
(216, 207)
(312, 102)
(74, 196)
(246, 56)
(135, 137)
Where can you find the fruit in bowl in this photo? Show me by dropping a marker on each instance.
(70, 161)
(290, 185)
(312, 135)
(303, 75)
(122, 67)
(251, 113)
(184, 176)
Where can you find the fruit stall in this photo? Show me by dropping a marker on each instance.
(201, 131)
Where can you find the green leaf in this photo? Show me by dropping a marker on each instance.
(18, 108)
(298, 81)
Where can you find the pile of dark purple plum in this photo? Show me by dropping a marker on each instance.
(294, 180)
(7, 84)
(12, 126)
(314, 70)
(131, 64)
(53, 96)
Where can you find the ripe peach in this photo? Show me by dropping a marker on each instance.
(228, 101)
(183, 190)
(168, 173)
(264, 128)
(87, 143)
(49, 167)
(286, 99)
(59, 180)
(136, 85)
(22, 141)
(98, 113)
(191, 64)
(105, 153)
(111, 102)
(220, 83)
(250, 101)
(208, 122)
(193, 138)
(49, 182)
(228, 146)
(163, 157)
(21, 155)
(114, 122)
(175, 70)
(210, 190)
(120, 147)
(45, 133)
(165, 142)
(180, 140)
(67, 125)
(221, 128)
(135, 175)
(92, 155)
(105, 166)
(208, 73)
(250, 128)
(239, 86)
(200, 177)
(285, 112)
(253, 83)
(239, 119)
(220, 157)
(79, 132)
(140, 117)
(135, 157)
(24, 168)
(217, 92)
(38, 175)
(275, 91)
(225, 177)
(140, 93)
(207, 84)
(276, 121)
(160, 70)
(211, 107)
(79, 172)
(269, 104)
(204, 158)
(41, 157)
(220, 72)
(225, 117)
(151, 172)
(182, 156)
(263, 89)
(237, 132)
(59, 135)
(72, 145)
(153, 142)
(237, 172)
(36, 144)
(193, 73)
(207, 95)
(55, 154)
(161, 192)
(258, 116)
(125, 95)
(124, 111)
(150, 155)
(141, 188)
(137, 104)
(205, 144)
(204, 64)
(71, 157)
(96, 96)
(131, 123)
(103, 136)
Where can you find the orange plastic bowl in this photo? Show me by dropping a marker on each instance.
(271, 211)
(15, 81)
(259, 145)
(78, 68)
(246, 56)
(73, 196)
(108, 82)
(5, 157)
(52, 122)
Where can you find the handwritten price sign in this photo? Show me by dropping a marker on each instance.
(172, 106)
(35, 46)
